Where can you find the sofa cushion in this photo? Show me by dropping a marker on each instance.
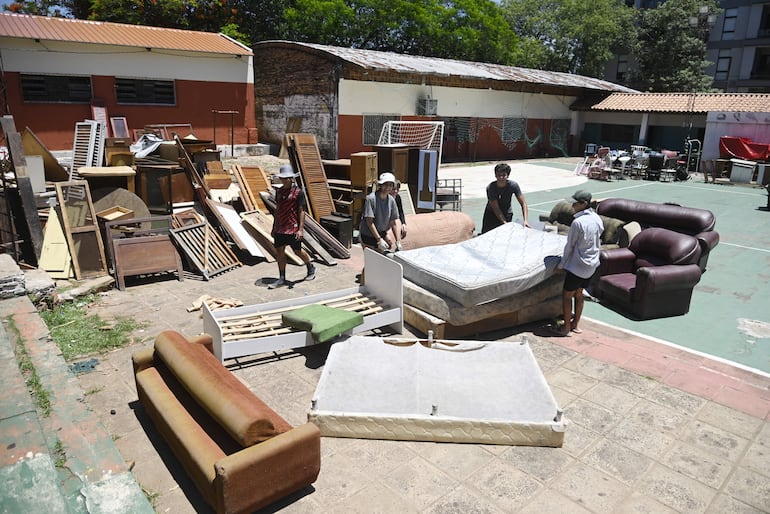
(562, 213)
(241, 413)
(611, 232)
(627, 233)
(658, 246)
(323, 322)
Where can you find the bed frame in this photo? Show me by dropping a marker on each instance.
(254, 329)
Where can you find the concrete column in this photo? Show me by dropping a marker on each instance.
(643, 129)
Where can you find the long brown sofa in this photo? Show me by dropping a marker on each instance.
(239, 453)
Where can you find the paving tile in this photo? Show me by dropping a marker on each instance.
(592, 416)
(420, 483)
(547, 350)
(659, 417)
(715, 441)
(570, 381)
(630, 382)
(20, 437)
(373, 498)
(461, 501)
(504, 484)
(618, 461)
(339, 479)
(676, 399)
(757, 458)
(724, 504)
(613, 398)
(744, 401)
(729, 419)
(457, 460)
(542, 463)
(551, 501)
(646, 440)
(378, 457)
(606, 353)
(640, 504)
(649, 365)
(679, 492)
(597, 491)
(577, 438)
(563, 398)
(698, 464)
(588, 366)
(750, 488)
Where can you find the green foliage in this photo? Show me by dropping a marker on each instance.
(461, 29)
(672, 53)
(35, 386)
(78, 334)
(574, 36)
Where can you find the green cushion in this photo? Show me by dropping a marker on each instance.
(611, 229)
(324, 323)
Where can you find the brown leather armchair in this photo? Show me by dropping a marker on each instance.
(653, 278)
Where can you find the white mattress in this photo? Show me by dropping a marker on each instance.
(475, 392)
(500, 263)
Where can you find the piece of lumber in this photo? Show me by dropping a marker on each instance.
(261, 225)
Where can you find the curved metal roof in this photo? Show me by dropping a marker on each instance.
(401, 63)
(45, 28)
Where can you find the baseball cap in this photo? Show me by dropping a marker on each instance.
(286, 171)
(580, 196)
(387, 177)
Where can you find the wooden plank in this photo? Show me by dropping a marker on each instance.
(55, 257)
(252, 180)
(261, 226)
(81, 229)
(54, 171)
(31, 219)
(230, 222)
(306, 158)
(205, 249)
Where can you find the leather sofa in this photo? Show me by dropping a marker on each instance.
(239, 453)
(696, 222)
(653, 278)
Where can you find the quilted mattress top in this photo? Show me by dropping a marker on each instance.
(500, 263)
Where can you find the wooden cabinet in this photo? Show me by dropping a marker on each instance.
(363, 170)
(395, 159)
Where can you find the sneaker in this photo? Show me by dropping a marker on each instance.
(310, 273)
(278, 283)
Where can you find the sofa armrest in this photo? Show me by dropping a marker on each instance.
(670, 277)
(266, 472)
(616, 260)
(142, 359)
(707, 240)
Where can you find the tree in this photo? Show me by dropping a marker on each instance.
(574, 36)
(672, 52)
(460, 29)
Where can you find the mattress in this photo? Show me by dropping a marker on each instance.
(500, 263)
(456, 314)
(452, 391)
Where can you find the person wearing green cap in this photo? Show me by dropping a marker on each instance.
(579, 259)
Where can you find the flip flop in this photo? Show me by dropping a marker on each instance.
(577, 331)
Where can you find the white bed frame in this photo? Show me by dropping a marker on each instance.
(381, 302)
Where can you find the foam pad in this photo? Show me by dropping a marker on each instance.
(324, 323)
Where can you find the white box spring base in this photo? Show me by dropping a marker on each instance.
(455, 391)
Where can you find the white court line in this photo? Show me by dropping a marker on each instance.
(754, 248)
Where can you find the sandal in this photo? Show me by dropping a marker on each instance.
(577, 331)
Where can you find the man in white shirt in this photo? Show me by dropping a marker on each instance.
(580, 259)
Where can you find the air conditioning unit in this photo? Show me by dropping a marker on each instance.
(427, 107)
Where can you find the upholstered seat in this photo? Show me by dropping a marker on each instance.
(653, 278)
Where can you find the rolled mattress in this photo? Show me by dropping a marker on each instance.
(452, 391)
(500, 263)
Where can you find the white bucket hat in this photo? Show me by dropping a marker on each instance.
(387, 177)
(286, 171)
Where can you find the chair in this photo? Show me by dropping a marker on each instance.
(601, 167)
(653, 278)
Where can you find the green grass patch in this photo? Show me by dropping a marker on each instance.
(39, 394)
(78, 334)
(59, 454)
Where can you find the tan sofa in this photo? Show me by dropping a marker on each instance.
(239, 453)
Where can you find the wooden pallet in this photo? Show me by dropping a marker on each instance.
(205, 249)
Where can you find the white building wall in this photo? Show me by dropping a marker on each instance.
(364, 97)
(57, 58)
(753, 125)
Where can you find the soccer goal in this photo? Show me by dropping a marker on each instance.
(428, 135)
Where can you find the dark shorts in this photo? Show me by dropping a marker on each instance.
(371, 241)
(289, 240)
(572, 282)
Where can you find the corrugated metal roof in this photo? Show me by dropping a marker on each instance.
(683, 102)
(388, 61)
(98, 32)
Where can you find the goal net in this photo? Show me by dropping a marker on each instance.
(428, 135)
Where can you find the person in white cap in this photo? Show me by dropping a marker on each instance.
(579, 259)
(379, 218)
(289, 224)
